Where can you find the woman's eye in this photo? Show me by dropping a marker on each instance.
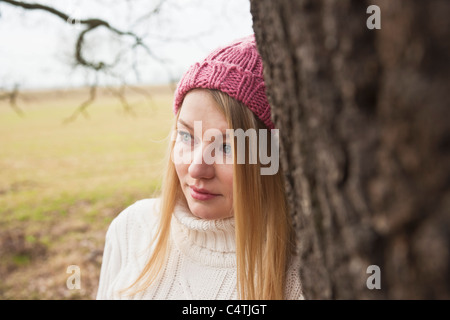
(226, 148)
(185, 136)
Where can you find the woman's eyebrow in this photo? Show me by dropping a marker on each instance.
(225, 134)
(185, 124)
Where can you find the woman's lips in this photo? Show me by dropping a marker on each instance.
(201, 194)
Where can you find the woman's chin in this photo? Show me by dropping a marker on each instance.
(205, 210)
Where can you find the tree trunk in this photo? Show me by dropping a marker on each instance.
(364, 121)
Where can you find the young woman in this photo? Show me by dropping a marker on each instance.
(220, 229)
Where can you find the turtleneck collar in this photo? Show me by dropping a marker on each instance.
(210, 242)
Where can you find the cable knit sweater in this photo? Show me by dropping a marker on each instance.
(201, 263)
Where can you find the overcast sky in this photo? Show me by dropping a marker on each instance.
(36, 49)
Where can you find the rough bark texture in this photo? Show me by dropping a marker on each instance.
(364, 121)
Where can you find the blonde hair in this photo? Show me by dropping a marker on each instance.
(263, 228)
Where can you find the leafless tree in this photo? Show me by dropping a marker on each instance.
(84, 27)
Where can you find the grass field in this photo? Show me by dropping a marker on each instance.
(62, 184)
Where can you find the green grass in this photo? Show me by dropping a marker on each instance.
(62, 184)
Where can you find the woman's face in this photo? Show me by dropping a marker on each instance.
(203, 161)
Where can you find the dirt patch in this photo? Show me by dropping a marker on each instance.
(18, 249)
(30, 269)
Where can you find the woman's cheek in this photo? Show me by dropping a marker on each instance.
(181, 155)
(225, 174)
(179, 162)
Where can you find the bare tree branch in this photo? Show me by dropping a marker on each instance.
(147, 15)
(91, 24)
(119, 93)
(97, 66)
(82, 109)
(12, 96)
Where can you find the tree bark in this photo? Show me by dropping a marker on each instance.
(365, 141)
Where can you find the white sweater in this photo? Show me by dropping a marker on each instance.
(201, 263)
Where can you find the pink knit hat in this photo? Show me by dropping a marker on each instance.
(237, 70)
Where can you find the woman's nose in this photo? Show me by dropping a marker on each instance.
(199, 168)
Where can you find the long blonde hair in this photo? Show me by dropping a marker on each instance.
(263, 228)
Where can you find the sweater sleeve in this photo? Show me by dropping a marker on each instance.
(111, 261)
(293, 285)
(126, 232)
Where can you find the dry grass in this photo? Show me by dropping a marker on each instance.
(62, 184)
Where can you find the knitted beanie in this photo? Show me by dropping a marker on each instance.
(235, 69)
